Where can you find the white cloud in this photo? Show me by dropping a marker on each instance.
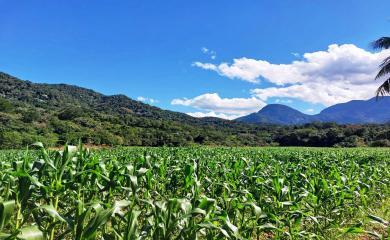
(250, 70)
(213, 114)
(244, 69)
(310, 110)
(317, 92)
(147, 100)
(206, 66)
(214, 104)
(339, 74)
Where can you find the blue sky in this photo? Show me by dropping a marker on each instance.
(157, 50)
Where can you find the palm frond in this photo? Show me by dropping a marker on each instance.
(384, 62)
(383, 89)
(385, 68)
(381, 43)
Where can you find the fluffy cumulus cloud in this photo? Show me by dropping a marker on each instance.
(339, 74)
(213, 105)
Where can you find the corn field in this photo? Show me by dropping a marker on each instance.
(194, 193)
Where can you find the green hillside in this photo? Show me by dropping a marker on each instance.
(59, 113)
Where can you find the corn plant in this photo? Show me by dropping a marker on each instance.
(192, 193)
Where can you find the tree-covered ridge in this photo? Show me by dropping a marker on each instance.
(59, 113)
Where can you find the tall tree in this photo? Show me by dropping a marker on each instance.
(383, 43)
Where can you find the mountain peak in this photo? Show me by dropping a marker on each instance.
(276, 107)
(352, 112)
(276, 114)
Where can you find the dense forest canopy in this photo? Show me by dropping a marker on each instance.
(59, 113)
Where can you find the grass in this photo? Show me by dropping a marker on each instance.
(195, 193)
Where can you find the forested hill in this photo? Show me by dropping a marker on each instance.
(59, 113)
(58, 97)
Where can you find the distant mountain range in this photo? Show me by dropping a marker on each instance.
(353, 112)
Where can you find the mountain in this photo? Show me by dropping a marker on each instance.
(59, 113)
(276, 114)
(56, 114)
(59, 98)
(358, 111)
(354, 112)
(62, 96)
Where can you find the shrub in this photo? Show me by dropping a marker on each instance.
(5, 106)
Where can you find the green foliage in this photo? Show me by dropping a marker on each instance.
(384, 88)
(30, 116)
(59, 114)
(71, 113)
(5, 106)
(11, 139)
(193, 193)
(381, 143)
